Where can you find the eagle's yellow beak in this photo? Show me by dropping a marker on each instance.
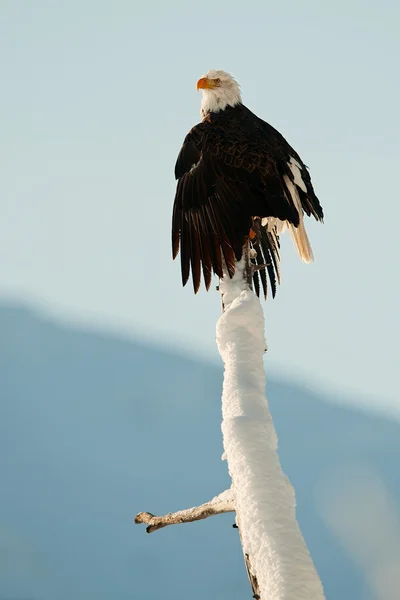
(205, 84)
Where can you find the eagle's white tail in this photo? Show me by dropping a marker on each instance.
(298, 234)
(301, 242)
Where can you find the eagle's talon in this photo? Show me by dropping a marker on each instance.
(258, 267)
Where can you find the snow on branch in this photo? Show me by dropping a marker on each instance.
(223, 503)
(276, 554)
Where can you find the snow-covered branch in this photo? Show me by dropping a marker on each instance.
(278, 561)
(222, 503)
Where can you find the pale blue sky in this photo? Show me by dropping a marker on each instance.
(96, 100)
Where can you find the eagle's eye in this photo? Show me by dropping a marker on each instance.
(217, 80)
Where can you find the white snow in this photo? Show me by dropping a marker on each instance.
(264, 497)
(225, 497)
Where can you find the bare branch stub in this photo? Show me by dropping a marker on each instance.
(220, 504)
(252, 579)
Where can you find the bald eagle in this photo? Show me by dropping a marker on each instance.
(238, 180)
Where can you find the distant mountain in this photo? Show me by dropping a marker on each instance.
(94, 429)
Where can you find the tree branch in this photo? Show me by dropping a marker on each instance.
(277, 559)
(218, 505)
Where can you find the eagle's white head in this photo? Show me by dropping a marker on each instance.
(219, 91)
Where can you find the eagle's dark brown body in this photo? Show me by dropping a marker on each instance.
(230, 174)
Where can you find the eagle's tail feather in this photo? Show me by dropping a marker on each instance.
(266, 245)
(301, 242)
(298, 234)
(256, 283)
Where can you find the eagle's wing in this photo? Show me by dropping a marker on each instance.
(201, 222)
(290, 164)
(229, 172)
